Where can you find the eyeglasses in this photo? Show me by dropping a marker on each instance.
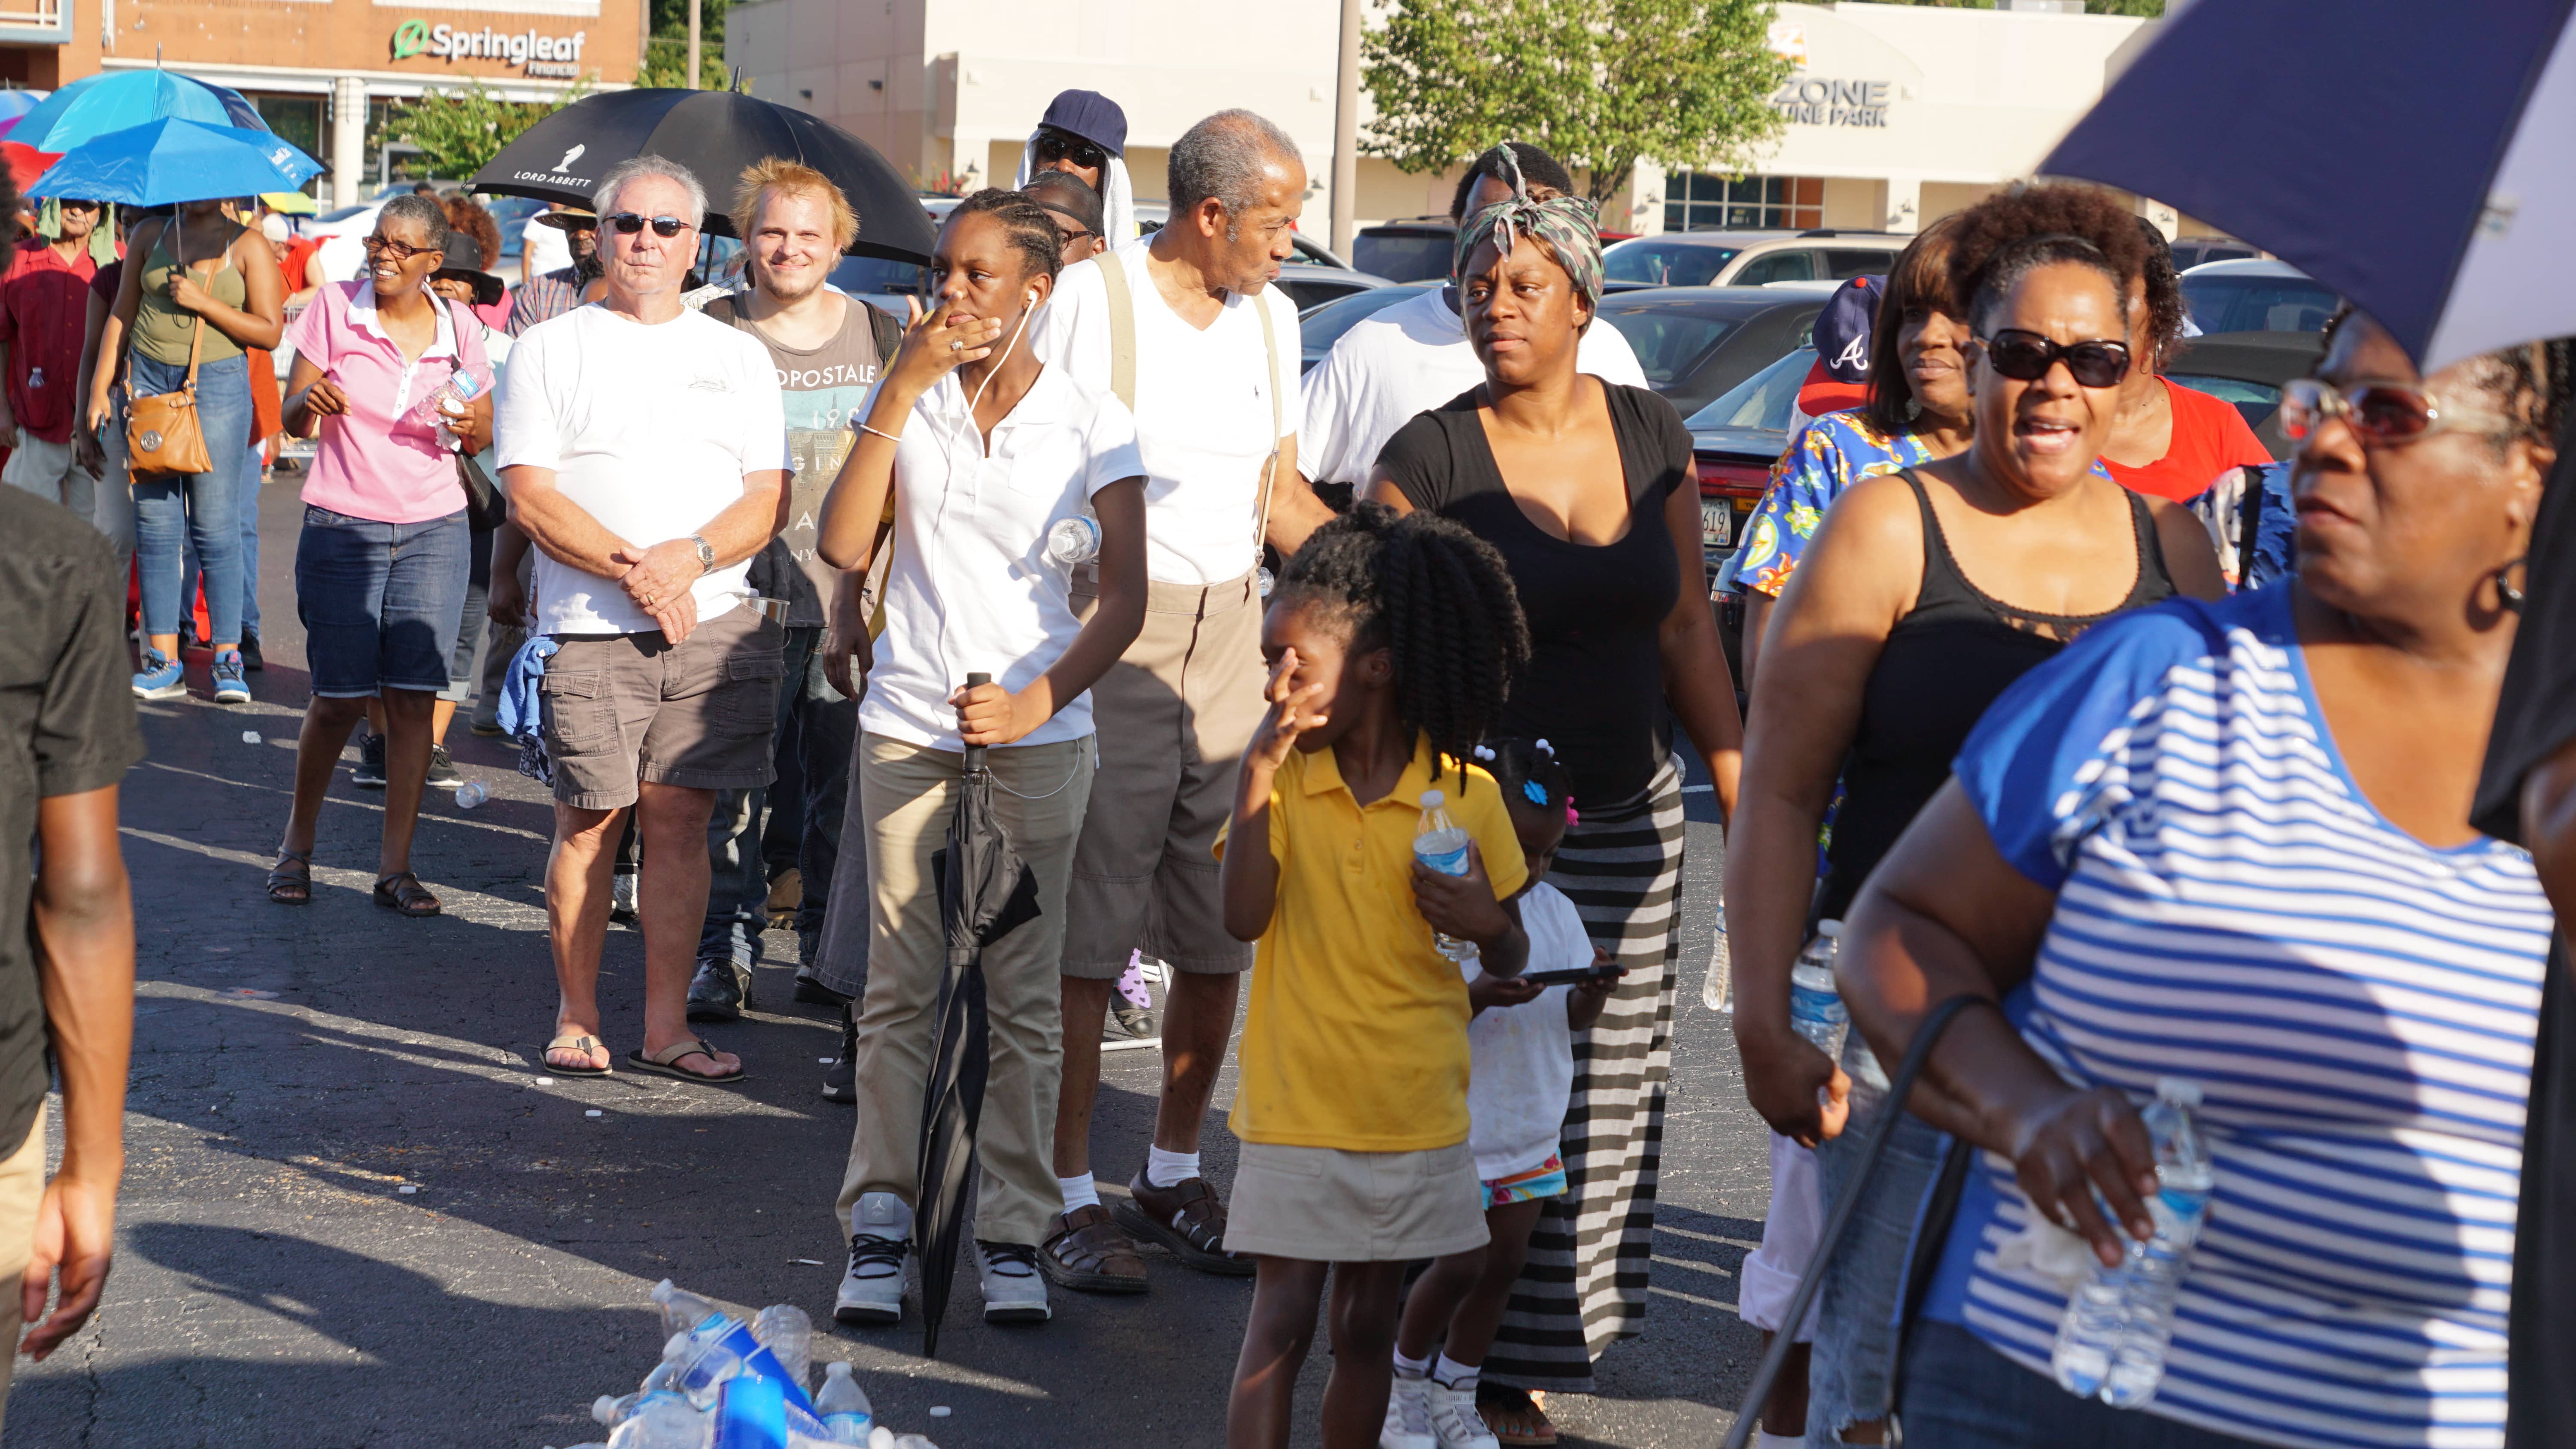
(2027, 357)
(628, 223)
(74, 203)
(400, 251)
(1056, 145)
(2381, 414)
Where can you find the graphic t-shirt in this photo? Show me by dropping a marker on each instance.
(818, 388)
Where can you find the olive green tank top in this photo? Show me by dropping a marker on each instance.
(162, 330)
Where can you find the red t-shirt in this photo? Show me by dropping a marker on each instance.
(44, 305)
(2209, 437)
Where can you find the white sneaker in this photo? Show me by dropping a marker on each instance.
(881, 1238)
(1408, 1416)
(1013, 1290)
(1454, 1420)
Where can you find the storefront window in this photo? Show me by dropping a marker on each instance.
(298, 119)
(1696, 201)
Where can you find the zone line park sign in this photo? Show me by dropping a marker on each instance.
(535, 53)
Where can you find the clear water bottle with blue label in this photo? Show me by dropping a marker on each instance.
(844, 1405)
(443, 407)
(1816, 1010)
(2119, 1321)
(1073, 542)
(1441, 845)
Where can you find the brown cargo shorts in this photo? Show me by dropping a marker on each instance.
(1173, 716)
(622, 708)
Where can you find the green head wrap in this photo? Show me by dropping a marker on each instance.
(1570, 225)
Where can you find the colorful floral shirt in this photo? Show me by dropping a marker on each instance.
(1829, 455)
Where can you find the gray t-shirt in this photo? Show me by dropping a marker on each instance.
(820, 387)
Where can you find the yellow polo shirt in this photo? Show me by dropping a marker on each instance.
(1356, 1036)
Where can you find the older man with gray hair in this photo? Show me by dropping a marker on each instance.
(645, 449)
(1186, 329)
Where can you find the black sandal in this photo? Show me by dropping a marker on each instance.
(299, 881)
(406, 895)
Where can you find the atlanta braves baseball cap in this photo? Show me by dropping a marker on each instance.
(1840, 378)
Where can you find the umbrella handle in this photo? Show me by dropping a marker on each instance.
(975, 753)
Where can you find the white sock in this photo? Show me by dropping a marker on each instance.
(1079, 1192)
(1455, 1375)
(1169, 1169)
(1765, 1439)
(1410, 1368)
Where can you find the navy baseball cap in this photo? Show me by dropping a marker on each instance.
(1090, 115)
(1840, 378)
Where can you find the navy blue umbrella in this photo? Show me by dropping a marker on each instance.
(2415, 157)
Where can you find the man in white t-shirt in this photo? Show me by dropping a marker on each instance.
(1185, 328)
(1414, 356)
(645, 449)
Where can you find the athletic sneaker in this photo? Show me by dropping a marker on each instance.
(161, 677)
(1014, 1291)
(370, 774)
(621, 898)
(841, 1078)
(230, 687)
(442, 770)
(1408, 1416)
(1454, 1420)
(872, 1288)
(252, 659)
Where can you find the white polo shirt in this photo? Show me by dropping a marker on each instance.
(970, 589)
(1408, 359)
(1203, 406)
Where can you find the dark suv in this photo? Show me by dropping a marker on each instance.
(1415, 250)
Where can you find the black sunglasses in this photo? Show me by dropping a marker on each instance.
(629, 223)
(2027, 357)
(1064, 146)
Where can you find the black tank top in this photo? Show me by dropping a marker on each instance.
(1943, 663)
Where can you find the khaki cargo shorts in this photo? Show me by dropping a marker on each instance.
(622, 708)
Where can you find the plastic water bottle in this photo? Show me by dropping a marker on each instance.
(788, 1334)
(1441, 845)
(682, 1310)
(664, 1424)
(844, 1405)
(2111, 1343)
(1816, 1010)
(471, 794)
(461, 388)
(1073, 541)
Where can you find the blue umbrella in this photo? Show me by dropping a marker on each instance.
(2414, 157)
(91, 107)
(16, 103)
(168, 161)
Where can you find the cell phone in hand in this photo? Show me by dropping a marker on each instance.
(1571, 975)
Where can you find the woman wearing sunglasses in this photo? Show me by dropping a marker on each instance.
(1924, 595)
(2231, 843)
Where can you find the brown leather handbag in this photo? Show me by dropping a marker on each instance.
(162, 432)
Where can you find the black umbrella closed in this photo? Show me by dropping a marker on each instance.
(985, 892)
(715, 134)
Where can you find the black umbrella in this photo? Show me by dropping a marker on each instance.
(985, 892)
(715, 134)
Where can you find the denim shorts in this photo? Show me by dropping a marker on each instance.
(380, 602)
(1961, 1394)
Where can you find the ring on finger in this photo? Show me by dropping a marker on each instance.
(956, 346)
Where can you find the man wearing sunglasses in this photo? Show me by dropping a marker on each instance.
(553, 293)
(44, 299)
(645, 448)
(1084, 134)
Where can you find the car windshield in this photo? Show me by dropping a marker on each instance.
(1666, 264)
(1402, 256)
(344, 213)
(2255, 400)
(2240, 303)
(1670, 342)
(876, 276)
(1318, 328)
(1767, 399)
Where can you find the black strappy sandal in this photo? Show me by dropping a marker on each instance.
(405, 895)
(299, 881)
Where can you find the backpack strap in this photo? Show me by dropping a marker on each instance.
(884, 330)
(1278, 420)
(1122, 328)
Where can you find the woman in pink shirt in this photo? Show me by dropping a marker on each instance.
(381, 568)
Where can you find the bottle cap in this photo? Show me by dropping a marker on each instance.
(2181, 1091)
(1433, 799)
(1830, 930)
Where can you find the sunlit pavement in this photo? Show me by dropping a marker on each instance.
(353, 1218)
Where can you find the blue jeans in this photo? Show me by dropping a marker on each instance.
(817, 730)
(1961, 1394)
(380, 601)
(1851, 1375)
(174, 511)
(253, 467)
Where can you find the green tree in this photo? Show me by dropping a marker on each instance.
(666, 52)
(1601, 84)
(457, 130)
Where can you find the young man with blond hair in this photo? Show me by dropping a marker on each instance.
(826, 349)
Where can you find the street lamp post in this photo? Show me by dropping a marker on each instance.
(1346, 132)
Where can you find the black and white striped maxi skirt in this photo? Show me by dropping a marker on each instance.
(1585, 1283)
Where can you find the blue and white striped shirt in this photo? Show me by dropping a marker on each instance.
(2357, 1005)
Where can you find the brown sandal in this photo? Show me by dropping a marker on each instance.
(292, 887)
(405, 894)
(1088, 1253)
(1188, 1218)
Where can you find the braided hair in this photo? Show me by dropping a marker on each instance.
(1529, 772)
(1029, 227)
(1437, 597)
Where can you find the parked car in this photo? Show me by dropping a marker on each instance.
(2256, 296)
(1320, 326)
(1748, 258)
(2193, 251)
(1312, 287)
(2249, 369)
(1696, 342)
(1734, 442)
(1413, 250)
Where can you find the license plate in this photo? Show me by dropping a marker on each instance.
(1716, 523)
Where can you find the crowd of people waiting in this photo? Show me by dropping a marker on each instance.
(2019, 721)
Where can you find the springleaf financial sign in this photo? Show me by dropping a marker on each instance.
(536, 54)
(1816, 101)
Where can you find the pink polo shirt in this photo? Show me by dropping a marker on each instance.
(374, 462)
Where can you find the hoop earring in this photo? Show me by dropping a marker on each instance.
(2509, 598)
